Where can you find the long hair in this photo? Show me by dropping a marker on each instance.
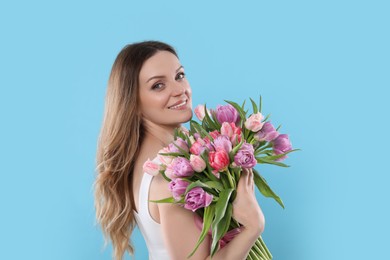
(118, 145)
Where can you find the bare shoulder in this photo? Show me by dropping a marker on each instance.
(178, 225)
(159, 188)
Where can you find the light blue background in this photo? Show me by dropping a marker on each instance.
(322, 68)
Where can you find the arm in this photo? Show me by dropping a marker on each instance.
(181, 233)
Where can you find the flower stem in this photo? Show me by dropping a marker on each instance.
(265, 247)
(253, 255)
(230, 179)
(260, 251)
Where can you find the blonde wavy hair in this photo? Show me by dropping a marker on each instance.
(118, 146)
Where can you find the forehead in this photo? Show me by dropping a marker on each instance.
(160, 64)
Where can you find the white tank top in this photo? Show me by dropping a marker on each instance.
(150, 229)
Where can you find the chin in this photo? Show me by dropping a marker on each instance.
(187, 117)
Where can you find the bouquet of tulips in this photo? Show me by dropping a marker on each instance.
(203, 166)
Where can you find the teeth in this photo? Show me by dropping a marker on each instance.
(183, 103)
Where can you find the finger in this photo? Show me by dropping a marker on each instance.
(245, 175)
(250, 177)
(242, 180)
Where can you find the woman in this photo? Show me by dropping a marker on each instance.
(148, 96)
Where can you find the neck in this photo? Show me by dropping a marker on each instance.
(162, 134)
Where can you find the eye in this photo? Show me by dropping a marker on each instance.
(180, 75)
(158, 86)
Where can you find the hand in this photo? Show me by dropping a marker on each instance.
(246, 210)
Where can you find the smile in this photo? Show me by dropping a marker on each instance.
(182, 105)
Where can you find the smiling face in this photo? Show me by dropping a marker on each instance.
(164, 92)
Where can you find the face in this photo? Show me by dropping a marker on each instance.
(164, 92)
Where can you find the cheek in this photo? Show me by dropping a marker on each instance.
(152, 104)
(188, 88)
(153, 100)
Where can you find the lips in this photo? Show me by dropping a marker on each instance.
(178, 104)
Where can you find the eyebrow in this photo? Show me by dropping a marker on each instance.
(159, 77)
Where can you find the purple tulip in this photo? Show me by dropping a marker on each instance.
(282, 145)
(197, 198)
(223, 142)
(245, 156)
(226, 113)
(178, 187)
(267, 133)
(179, 167)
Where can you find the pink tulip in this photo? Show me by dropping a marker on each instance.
(232, 131)
(219, 160)
(165, 159)
(151, 167)
(184, 130)
(208, 143)
(226, 129)
(214, 134)
(197, 198)
(192, 139)
(198, 147)
(236, 139)
(178, 187)
(197, 163)
(200, 112)
(254, 123)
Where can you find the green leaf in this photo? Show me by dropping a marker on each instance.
(179, 133)
(236, 148)
(172, 154)
(165, 176)
(215, 185)
(264, 160)
(263, 187)
(264, 151)
(166, 200)
(196, 184)
(187, 139)
(209, 121)
(266, 118)
(183, 152)
(202, 131)
(243, 104)
(222, 227)
(207, 219)
(220, 211)
(260, 104)
(277, 156)
(225, 221)
(254, 106)
(192, 129)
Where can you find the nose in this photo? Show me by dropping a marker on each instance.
(178, 89)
